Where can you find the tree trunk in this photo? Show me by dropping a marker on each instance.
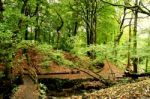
(58, 30)
(87, 24)
(146, 67)
(1, 10)
(135, 59)
(91, 24)
(129, 45)
(75, 27)
(121, 28)
(91, 21)
(76, 15)
(37, 28)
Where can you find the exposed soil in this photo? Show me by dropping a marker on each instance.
(20, 64)
(111, 71)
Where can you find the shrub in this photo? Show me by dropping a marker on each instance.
(25, 44)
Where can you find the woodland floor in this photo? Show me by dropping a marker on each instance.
(137, 90)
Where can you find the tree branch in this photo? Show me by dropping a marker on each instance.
(133, 8)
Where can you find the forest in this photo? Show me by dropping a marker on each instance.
(74, 49)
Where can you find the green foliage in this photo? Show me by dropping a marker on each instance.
(96, 62)
(42, 91)
(69, 63)
(6, 49)
(25, 44)
(42, 19)
(107, 24)
(66, 43)
(5, 37)
(58, 57)
(49, 53)
(15, 89)
(101, 52)
(45, 64)
(52, 55)
(1, 75)
(44, 48)
(79, 45)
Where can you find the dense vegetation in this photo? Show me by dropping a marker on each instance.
(91, 31)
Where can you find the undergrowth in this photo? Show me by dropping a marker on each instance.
(42, 91)
(50, 55)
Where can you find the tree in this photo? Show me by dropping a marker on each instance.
(1, 10)
(135, 59)
(138, 7)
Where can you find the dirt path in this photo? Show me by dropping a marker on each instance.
(26, 91)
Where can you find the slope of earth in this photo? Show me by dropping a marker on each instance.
(38, 62)
(110, 71)
(53, 68)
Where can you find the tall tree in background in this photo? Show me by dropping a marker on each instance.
(76, 17)
(89, 10)
(37, 27)
(135, 59)
(1, 10)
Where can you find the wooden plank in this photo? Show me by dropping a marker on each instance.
(56, 73)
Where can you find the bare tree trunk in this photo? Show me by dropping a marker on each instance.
(91, 23)
(121, 28)
(59, 29)
(87, 23)
(91, 20)
(94, 12)
(37, 28)
(135, 59)
(147, 61)
(75, 15)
